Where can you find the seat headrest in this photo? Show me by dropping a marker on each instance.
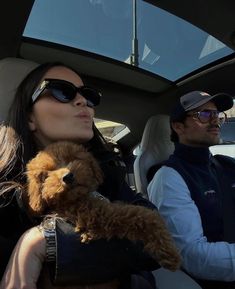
(155, 147)
(12, 72)
(156, 138)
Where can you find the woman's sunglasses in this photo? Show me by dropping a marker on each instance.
(206, 116)
(64, 91)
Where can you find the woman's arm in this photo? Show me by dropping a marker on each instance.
(26, 264)
(205, 260)
(77, 263)
(26, 261)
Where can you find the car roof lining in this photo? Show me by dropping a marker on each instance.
(91, 64)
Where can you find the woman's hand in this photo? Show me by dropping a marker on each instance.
(26, 261)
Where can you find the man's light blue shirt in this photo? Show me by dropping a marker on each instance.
(202, 259)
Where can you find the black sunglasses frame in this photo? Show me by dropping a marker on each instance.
(68, 91)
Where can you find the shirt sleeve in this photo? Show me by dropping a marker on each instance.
(202, 259)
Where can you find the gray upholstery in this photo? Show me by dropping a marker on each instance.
(155, 147)
(12, 72)
(166, 279)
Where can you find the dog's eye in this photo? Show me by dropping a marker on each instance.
(42, 176)
(68, 178)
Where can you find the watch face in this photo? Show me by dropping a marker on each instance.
(49, 223)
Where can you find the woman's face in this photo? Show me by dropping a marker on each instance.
(51, 120)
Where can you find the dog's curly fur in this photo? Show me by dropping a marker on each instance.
(61, 179)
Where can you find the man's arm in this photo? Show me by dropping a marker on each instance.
(202, 259)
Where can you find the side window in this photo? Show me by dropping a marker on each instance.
(112, 131)
(227, 145)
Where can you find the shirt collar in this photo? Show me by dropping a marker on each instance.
(192, 154)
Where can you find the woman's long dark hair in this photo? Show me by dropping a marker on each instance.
(17, 144)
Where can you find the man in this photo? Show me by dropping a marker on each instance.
(195, 192)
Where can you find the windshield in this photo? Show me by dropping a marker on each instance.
(131, 31)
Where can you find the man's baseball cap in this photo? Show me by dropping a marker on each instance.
(195, 99)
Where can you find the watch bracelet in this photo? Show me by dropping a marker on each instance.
(48, 229)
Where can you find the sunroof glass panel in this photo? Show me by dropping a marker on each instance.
(133, 32)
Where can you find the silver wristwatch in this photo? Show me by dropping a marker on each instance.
(48, 229)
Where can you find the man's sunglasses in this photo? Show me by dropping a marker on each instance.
(64, 91)
(206, 116)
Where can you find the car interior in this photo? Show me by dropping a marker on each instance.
(138, 94)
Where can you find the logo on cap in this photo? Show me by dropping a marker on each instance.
(204, 93)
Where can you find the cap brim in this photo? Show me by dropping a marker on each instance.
(223, 101)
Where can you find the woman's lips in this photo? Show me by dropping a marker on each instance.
(85, 116)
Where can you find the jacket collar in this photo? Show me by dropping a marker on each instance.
(192, 154)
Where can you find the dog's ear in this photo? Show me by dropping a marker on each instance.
(37, 204)
(43, 161)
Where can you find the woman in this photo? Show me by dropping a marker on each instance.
(53, 104)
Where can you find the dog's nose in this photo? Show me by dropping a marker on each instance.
(68, 178)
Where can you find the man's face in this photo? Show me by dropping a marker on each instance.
(195, 133)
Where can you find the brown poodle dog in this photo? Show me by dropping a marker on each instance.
(62, 179)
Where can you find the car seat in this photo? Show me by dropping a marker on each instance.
(155, 147)
(12, 72)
